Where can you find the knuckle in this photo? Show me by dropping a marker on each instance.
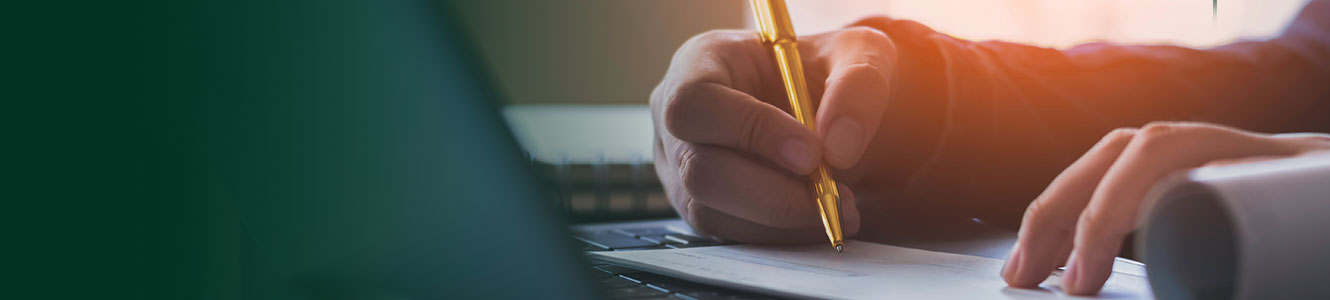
(1039, 215)
(863, 49)
(1156, 135)
(713, 38)
(1158, 128)
(1169, 129)
(697, 217)
(1118, 138)
(752, 123)
(863, 34)
(871, 38)
(1120, 135)
(693, 170)
(704, 38)
(692, 213)
(679, 108)
(688, 164)
(1095, 223)
(1034, 213)
(866, 75)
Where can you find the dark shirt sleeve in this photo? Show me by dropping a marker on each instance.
(980, 128)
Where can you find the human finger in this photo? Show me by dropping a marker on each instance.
(1157, 150)
(710, 221)
(735, 184)
(713, 114)
(714, 222)
(1050, 220)
(857, 91)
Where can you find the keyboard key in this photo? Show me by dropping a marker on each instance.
(658, 288)
(634, 280)
(616, 283)
(659, 239)
(633, 293)
(615, 269)
(609, 240)
(684, 297)
(676, 287)
(666, 283)
(589, 247)
(665, 297)
(693, 245)
(680, 288)
(639, 232)
(651, 277)
(690, 239)
(643, 248)
(704, 295)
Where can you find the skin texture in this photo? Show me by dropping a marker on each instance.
(733, 161)
(1081, 219)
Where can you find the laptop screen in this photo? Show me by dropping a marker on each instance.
(372, 160)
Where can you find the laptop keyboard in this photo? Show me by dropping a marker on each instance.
(642, 239)
(620, 282)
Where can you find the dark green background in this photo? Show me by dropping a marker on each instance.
(219, 150)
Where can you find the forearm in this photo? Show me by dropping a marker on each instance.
(983, 127)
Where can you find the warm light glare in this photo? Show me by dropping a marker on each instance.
(1062, 23)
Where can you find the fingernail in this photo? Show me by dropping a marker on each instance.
(1013, 262)
(845, 138)
(1069, 283)
(797, 153)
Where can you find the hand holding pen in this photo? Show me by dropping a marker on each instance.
(736, 164)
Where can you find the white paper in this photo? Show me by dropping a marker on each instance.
(864, 271)
(1246, 231)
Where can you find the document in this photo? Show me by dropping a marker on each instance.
(1246, 231)
(864, 271)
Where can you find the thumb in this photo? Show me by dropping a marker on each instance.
(852, 107)
(858, 87)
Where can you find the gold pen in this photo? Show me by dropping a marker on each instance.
(776, 31)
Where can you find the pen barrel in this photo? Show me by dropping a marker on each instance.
(828, 201)
(775, 30)
(801, 106)
(773, 21)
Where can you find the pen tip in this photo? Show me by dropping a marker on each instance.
(838, 248)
